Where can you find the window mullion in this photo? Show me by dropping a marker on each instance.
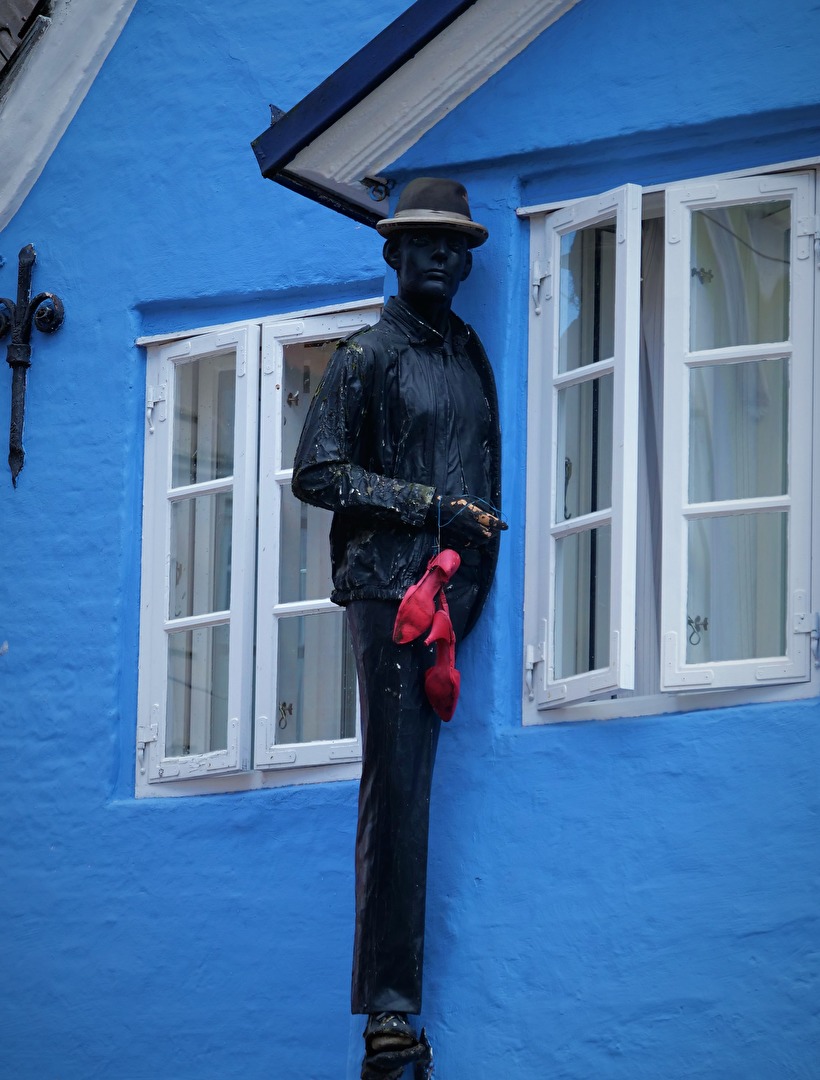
(243, 563)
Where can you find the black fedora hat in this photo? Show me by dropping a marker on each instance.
(432, 201)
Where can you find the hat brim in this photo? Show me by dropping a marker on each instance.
(424, 219)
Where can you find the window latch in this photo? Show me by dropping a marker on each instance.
(146, 733)
(153, 396)
(808, 235)
(534, 655)
(809, 623)
(539, 276)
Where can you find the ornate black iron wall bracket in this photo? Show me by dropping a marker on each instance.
(46, 312)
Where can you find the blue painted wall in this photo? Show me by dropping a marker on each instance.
(609, 70)
(634, 899)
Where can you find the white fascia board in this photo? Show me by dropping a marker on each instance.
(49, 88)
(383, 126)
(652, 190)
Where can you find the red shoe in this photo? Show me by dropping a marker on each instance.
(442, 682)
(417, 607)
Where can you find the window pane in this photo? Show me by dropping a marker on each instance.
(582, 619)
(738, 431)
(197, 700)
(740, 275)
(304, 365)
(587, 299)
(304, 560)
(316, 679)
(584, 461)
(204, 402)
(200, 566)
(736, 606)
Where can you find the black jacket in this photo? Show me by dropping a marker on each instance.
(367, 449)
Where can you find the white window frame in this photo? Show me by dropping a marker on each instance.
(275, 475)
(681, 201)
(760, 682)
(251, 759)
(622, 207)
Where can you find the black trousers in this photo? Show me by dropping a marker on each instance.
(400, 734)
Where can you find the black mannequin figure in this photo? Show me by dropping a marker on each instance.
(402, 444)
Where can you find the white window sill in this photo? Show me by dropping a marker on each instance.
(256, 780)
(625, 707)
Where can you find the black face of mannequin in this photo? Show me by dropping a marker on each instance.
(430, 265)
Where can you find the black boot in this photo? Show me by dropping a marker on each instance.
(391, 1045)
(388, 1031)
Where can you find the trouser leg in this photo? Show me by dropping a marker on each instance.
(400, 735)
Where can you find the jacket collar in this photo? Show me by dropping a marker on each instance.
(420, 332)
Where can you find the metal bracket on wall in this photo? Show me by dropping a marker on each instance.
(46, 312)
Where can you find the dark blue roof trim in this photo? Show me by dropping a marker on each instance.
(332, 199)
(276, 147)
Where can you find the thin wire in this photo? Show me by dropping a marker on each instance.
(740, 240)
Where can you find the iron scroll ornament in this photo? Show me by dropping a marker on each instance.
(46, 312)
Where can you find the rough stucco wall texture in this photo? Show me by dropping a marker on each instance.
(607, 70)
(634, 899)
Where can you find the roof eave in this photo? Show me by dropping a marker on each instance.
(337, 145)
(350, 84)
(325, 197)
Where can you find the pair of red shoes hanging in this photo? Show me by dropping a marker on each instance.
(424, 607)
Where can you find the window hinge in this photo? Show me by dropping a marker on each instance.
(153, 396)
(146, 734)
(534, 655)
(809, 623)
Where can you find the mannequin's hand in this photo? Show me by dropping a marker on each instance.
(465, 520)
